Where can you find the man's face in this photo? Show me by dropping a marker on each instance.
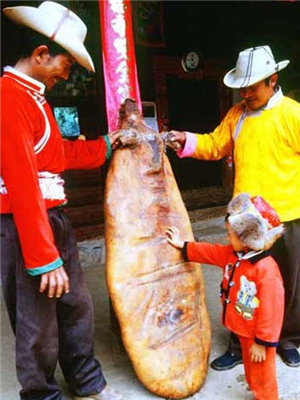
(256, 96)
(54, 69)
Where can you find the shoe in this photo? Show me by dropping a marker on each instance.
(107, 394)
(290, 357)
(226, 361)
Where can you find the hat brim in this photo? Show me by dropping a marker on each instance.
(230, 79)
(78, 51)
(33, 18)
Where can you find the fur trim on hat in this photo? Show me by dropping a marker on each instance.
(239, 204)
(249, 225)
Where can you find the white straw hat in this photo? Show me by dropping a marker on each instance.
(57, 23)
(253, 65)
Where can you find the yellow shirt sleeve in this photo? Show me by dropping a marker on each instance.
(219, 143)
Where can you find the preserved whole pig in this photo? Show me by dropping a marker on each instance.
(158, 298)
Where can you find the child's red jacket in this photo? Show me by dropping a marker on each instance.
(252, 290)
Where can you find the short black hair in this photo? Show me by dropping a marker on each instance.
(32, 39)
(267, 80)
(22, 41)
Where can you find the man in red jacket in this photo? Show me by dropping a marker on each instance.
(49, 307)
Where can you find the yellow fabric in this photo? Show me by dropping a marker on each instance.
(266, 154)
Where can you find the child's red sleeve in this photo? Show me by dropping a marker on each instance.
(214, 254)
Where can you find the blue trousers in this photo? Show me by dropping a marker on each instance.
(49, 330)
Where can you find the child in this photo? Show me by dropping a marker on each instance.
(252, 290)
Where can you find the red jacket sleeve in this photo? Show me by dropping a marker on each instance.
(214, 254)
(19, 172)
(86, 154)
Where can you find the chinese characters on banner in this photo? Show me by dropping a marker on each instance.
(119, 63)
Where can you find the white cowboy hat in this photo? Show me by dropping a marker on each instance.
(57, 23)
(253, 65)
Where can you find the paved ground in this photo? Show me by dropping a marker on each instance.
(229, 385)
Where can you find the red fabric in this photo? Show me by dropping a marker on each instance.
(265, 210)
(25, 115)
(85, 154)
(119, 63)
(264, 275)
(261, 376)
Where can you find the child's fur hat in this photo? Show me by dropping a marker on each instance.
(254, 221)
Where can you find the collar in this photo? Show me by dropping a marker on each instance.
(24, 80)
(275, 99)
(273, 102)
(259, 256)
(253, 256)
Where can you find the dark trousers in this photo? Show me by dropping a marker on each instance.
(286, 251)
(49, 330)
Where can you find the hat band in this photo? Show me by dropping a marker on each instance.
(249, 69)
(59, 25)
(258, 74)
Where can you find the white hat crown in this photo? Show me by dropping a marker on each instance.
(62, 19)
(253, 65)
(57, 23)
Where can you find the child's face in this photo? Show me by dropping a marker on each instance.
(236, 243)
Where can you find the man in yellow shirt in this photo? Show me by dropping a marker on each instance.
(263, 132)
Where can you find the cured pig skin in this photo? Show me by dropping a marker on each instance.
(158, 298)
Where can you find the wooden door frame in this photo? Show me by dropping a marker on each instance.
(164, 66)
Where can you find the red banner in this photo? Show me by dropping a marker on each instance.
(119, 63)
